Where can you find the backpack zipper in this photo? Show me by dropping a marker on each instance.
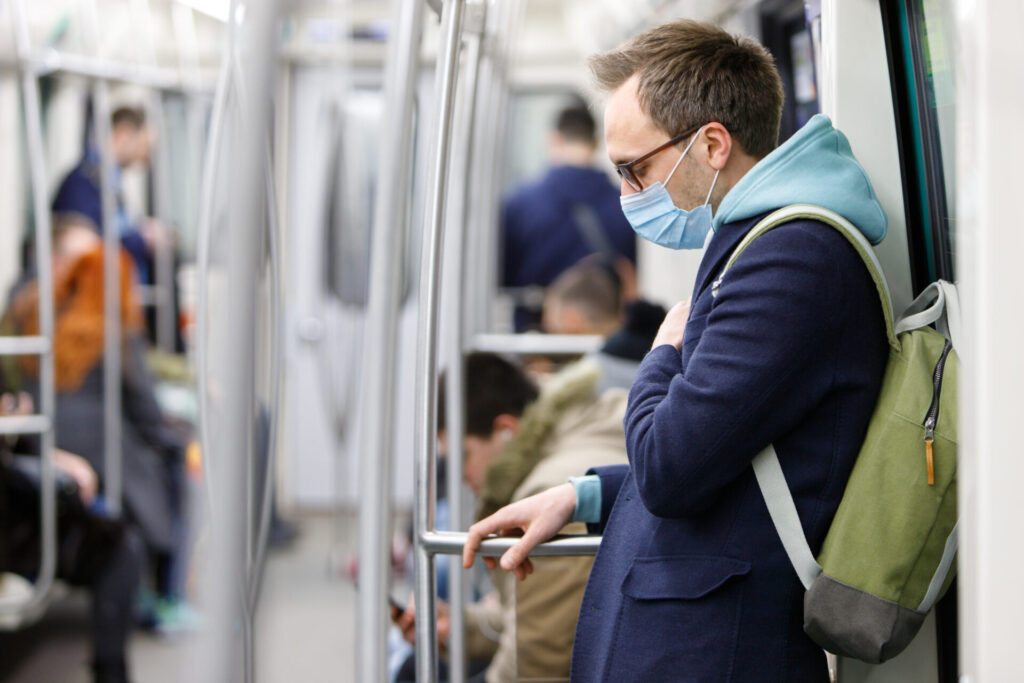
(933, 412)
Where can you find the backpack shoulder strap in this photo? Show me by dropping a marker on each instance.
(844, 227)
(782, 509)
(939, 303)
(771, 480)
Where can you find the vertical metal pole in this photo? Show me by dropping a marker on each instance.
(44, 269)
(235, 352)
(276, 355)
(203, 236)
(390, 214)
(458, 586)
(111, 284)
(426, 369)
(160, 173)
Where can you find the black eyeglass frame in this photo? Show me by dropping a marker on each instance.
(625, 170)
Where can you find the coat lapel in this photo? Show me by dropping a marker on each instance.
(721, 245)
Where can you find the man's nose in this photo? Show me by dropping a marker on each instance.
(625, 189)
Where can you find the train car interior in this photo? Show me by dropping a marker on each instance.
(255, 254)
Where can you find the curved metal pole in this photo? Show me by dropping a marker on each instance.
(204, 233)
(387, 251)
(426, 367)
(235, 353)
(276, 355)
(458, 586)
(44, 268)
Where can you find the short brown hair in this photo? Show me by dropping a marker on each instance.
(692, 73)
(590, 289)
(135, 117)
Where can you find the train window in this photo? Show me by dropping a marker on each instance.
(921, 63)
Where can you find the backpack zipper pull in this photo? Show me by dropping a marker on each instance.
(929, 439)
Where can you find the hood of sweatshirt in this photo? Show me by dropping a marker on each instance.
(815, 166)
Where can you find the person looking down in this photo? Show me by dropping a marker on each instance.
(691, 582)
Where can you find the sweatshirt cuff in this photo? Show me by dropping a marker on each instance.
(588, 498)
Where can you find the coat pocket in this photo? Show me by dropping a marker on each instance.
(679, 618)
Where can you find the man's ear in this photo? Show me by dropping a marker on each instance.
(506, 423)
(717, 145)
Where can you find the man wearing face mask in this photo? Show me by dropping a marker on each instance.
(691, 581)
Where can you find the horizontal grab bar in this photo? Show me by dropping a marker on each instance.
(451, 543)
(536, 343)
(24, 424)
(24, 346)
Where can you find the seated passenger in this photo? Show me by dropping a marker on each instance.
(586, 300)
(92, 550)
(518, 444)
(152, 453)
(582, 300)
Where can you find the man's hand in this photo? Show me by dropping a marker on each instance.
(671, 330)
(538, 517)
(406, 621)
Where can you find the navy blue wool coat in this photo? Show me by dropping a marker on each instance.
(691, 582)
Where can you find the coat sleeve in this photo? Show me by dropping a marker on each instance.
(612, 477)
(761, 363)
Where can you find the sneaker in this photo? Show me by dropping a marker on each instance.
(175, 616)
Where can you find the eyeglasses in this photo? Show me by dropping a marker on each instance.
(625, 170)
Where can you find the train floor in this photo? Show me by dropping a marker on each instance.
(305, 629)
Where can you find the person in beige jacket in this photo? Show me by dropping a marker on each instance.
(517, 444)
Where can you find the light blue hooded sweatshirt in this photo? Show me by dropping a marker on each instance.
(815, 166)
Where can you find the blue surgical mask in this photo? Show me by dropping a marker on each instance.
(657, 219)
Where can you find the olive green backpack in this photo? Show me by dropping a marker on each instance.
(889, 553)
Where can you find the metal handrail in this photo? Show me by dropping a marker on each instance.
(204, 233)
(235, 354)
(25, 424)
(112, 460)
(426, 368)
(531, 343)
(44, 271)
(276, 359)
(458, 586)
(452, 543)
(163, 258)
(386, 254)
(24, 346)
(50, 61)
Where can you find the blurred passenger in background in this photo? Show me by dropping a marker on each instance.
(586, 299)
(152, 452)
(568, 213)
(94, 551)
(131, 142)
(583, 300)
(517, 443)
